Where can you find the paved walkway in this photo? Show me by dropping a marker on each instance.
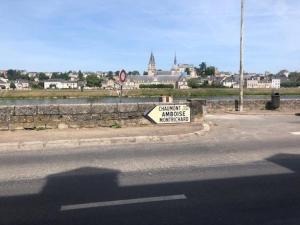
(26, 140)
(263, 112)
(102, 132)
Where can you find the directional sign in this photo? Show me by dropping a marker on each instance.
(122, 76)
(170, 114)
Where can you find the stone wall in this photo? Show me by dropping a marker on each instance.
(73, 116)
(252, 106)
(106, 115)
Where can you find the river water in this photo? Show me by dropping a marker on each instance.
(52, 101)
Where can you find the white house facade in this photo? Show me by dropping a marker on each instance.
(4, 84)
(22, 85)
(60, 84)
(255, 83)
(276, 83)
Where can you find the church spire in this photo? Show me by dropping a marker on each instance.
(175, 60)
(152, 59)
(151, 65)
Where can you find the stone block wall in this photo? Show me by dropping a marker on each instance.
(106, 115)
(73, 116)
(251, 106)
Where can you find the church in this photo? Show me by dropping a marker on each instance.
(176, 69)
(177, 76)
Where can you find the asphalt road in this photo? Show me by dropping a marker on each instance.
(245, 171)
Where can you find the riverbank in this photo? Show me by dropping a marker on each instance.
(203, 92)
(112, 100)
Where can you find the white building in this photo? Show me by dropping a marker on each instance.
(182, 83)
(229, 83)
(22, 85)
(182, 68)
(73, 77)
(48, 74)
(134, 82)
(255, 83)
(4, 84)
(60, 84)
(110, 84)
(276, 83)
(237, 85)
(32, 74)
(101, 73)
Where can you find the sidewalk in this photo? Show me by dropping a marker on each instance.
(263, 112)
(23, 140)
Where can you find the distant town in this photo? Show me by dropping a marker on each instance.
(180, 76)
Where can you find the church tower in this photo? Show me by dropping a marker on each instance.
(151, 66)
(175, 60)
(174, 69)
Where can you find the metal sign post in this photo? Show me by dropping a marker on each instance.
(122, 79)
(120, 96)
(242, 58)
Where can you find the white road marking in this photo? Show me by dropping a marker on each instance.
(295, 133)
(122, 202)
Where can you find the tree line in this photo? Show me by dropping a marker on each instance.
(203, 70)
(294, 80)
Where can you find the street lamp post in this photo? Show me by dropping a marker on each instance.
(242, 58)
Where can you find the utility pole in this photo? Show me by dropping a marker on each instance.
(242, 58)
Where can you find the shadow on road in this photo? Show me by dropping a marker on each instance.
(270, 199)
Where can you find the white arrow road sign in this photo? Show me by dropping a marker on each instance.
(170, 114)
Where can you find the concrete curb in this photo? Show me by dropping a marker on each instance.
(262, 113)
(75, 143)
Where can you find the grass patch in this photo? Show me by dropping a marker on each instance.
(201, 92)
(116, 125)
(40, 128)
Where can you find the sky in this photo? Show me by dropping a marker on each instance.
(102, 35)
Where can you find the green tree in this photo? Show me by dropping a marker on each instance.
(193, 83)
(64, 76)
(110, 76)
(187, 70)
(25, 77)
(294, 76)
(117, 73)
(202, 68)
(54, 75)
(288, 84)
(205, 83)
(135, 72)
(13, 75)
(12, 85)
(37, 85)
(42, 76)
(210, 71)
(80, 76)
(93, 81)
(145, 73)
